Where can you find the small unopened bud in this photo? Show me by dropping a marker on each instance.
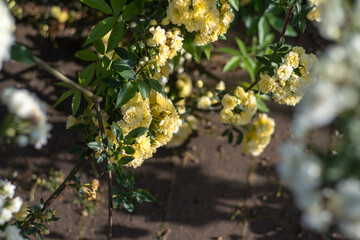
(141, 45)
(46, 231)
(153, 22)
(188, 56)
(151, 30)
(165, 21)
(48, 215)
(141, 62)
(133, 24)
(133, 47)
(163, 80)
(145, 59)
(152, 67)
(200, 83)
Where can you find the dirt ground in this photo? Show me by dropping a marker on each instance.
(207, 189)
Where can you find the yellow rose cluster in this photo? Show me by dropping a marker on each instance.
(314, 14)
(168, 43)
(238, 109)
(185, 130)
(183, 85)
(156, 113)
(259, 136)
(201, 16)
(291, 79)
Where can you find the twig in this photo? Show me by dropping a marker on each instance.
(110, 209)
(287, 21)
(66, 80)
(96, 99)
(57, 192)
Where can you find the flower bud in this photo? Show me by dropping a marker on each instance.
(153, 22)
(200, 83)
(163, 80)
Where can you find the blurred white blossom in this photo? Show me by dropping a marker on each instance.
(7, 27)
(11, 233)
(27, 106)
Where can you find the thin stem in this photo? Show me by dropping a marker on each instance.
(57, 192)
(66, 80)
(110, 203)
(287, 21)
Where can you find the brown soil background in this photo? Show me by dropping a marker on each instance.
(198, 187)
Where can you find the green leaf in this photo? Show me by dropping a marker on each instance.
(117, 6)
(118, 132)
(64, 96)
(76, 103)
(262, 106)
(263, 29)
(94, 146)
(144, 195)
(230, 137)
(207, 50)
(100, 29)
(128, 205)
(232, 63)
(263, 60)
(109, 167)
(239, 138)
(144, 89)
(125, 94)
(194, 50)
(98, 4)
(99, 46)
(140, 5)
(137, 132)
(129, 150)
(115, 37)
(122, 52)
(130, 9)
(86, 55)
(22, 54)
(86, 75)
(234, 4)
(125, 160)
(125, 70)
(154, 84)
(121, 177)
(278, 24)
(241, 46)
(229, 51)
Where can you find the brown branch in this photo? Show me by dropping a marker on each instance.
(287, 21)
(66, 80)
(110, 203)
(57, 192)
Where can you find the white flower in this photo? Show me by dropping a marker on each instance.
(349, 189)
(7, 189)
(317, 218)
(15, 205)
(12, 233)
(6, 32)
(27, 106)
(5, 216)
(299, 167)
(332, 18)
(350, 228)
(321, 105)
(284, 72)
